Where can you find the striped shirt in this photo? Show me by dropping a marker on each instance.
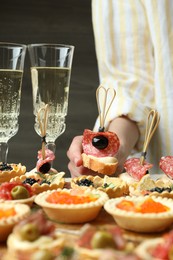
(134, 48)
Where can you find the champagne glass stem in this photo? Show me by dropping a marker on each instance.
(52, 147)
(3, 152)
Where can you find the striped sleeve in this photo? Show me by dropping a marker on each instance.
(125, 58)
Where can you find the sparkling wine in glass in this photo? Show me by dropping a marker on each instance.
(50, 74)
(12, 58)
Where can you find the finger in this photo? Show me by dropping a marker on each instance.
(75, 150)
(75, 171)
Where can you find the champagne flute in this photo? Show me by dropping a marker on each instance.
(12, 56)
(50, 75)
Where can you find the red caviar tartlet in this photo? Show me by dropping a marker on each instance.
(155, 213)
(10, 215)
(72, 205)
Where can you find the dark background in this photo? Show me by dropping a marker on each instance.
(53, 21)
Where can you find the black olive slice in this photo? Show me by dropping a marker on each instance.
(100, 142)
(30, 181)
(85, 182)
(45, 167)
(5, 166)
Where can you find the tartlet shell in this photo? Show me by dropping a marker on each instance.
(120, 188)
(96, 180)
(143, 249)
(139, 188)
(7, 224)
(73, 213)
(36, 187)
(18, 248)
(18, 169)
(16, 244)
(139, 222)
(164, 194)
(28, 201)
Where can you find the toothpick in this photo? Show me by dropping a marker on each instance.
(152, 124)
(103, 112)
(42, 117)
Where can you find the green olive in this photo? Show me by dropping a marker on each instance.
(29, 232)
(42, 255)
(102, 239)
(19, 192)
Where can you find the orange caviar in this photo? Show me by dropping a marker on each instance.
(5, 213)
(61, 197)
(148, 206)
(126, 205)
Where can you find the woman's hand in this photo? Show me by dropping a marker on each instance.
(122, 126)
(75, 165)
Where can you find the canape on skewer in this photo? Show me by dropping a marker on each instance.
(100, 147)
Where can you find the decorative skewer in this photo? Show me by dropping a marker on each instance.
(152, 124)
(42, 117)
(103, 112)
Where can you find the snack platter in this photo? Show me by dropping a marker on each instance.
(102, 219)
(133, 238)
(44, 215)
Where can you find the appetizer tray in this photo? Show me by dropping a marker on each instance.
(103, 219)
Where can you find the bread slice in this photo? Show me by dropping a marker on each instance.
(104, 165)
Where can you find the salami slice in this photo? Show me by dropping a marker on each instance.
(135, 169)
(166, 165)
(44, 165)
(100, 144)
